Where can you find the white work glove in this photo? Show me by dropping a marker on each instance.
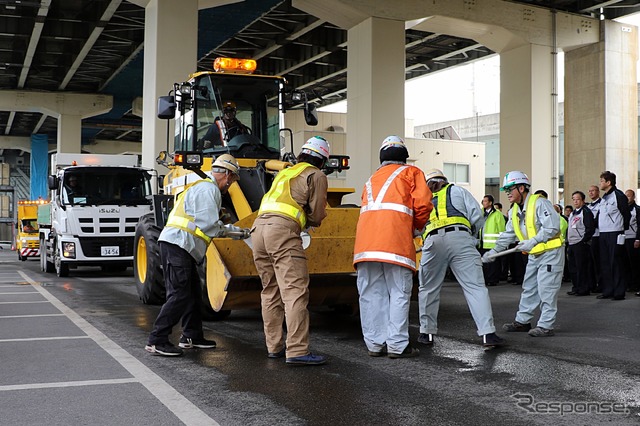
(487, 259)
(235, 232)
(527, 245)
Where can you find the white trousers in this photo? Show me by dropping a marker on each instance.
(385, 293)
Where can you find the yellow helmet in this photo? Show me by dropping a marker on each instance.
(229, 105)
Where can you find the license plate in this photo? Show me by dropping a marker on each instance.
(110, 251)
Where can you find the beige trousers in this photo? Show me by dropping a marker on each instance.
(282, 266)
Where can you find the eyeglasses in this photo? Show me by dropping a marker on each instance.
(509, 189)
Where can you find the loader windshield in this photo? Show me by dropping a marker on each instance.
(254, 126)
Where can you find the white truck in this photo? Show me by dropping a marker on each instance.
(96, 202)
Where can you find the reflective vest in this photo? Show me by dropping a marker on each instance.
(444, 212)
(278, 199)
(493, 226)
(564, 226)
(178, 218)
(385, 227)
(530, 222)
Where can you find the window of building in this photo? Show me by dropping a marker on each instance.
(456, 172)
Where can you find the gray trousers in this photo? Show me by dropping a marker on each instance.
(456, 250)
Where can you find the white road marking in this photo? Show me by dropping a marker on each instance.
(31, 316)
(66, 384)
(180, 406)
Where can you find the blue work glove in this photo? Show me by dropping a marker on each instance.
(487, 259)
(526, 245)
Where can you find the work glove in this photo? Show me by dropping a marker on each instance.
(526, 245)
(487, 259)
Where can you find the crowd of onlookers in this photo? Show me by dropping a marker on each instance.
(601, 238)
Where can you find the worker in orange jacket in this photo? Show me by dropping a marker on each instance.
(396, 203)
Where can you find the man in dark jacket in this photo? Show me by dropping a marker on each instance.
(632, 243)
(581, 227)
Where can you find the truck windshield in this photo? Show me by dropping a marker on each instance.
(106, 186)
(30, 226)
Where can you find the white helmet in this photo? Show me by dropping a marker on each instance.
(514, 178)
(392, 141)
(434, 173)
(227, 162)
(318, 146)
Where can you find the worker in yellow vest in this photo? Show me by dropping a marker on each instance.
(536, 225)
(296, 201)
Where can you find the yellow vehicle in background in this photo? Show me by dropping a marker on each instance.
(229, 276)
(27, 240)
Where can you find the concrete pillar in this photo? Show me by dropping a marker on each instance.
(526, 107)
(69, 133)
(375, 82)
(170, 55)
(601, 110)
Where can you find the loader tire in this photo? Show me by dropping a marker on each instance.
(208, 313)
(147, 265)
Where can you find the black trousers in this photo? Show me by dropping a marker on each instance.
(612, 267)
(517, 265)
(633, 265)
(579, 260)
(492, 270)
(184, 295)
(594, 267)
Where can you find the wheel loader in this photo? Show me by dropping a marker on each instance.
(264, 148)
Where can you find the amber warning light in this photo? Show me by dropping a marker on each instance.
(234, 65)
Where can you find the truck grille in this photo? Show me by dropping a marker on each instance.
(91, 246)
(108, 225)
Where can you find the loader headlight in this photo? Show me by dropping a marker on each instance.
(23, 240)
(69, 250)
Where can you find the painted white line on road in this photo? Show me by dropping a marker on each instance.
(36, 339)
(15, 303)
(31, 316)
(180, 406)
(66, 384)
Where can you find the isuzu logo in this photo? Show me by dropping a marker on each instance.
(108, 210)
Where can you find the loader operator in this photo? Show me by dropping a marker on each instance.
(224, 129)
(192, 223)
(296, 201)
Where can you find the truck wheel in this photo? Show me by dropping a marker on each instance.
(147, 263)
(62, 268)
(45, 265)
(208, 313)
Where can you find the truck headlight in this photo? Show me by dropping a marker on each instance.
(23, 240)
(69, 250)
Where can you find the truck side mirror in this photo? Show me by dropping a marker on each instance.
(310, 114)
(166, 107)
(52, 182)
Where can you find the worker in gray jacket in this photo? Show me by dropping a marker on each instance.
(449, 242)
(536, 225)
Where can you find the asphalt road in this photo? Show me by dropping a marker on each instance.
(72, 352)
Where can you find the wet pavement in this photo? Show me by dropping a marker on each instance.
(72, 352)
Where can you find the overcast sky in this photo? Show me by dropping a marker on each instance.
(462, 91)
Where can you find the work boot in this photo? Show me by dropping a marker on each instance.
(381, 352)
(425, 339)
(516, 326)
(492, 340)
(308, 359)
(201, 342)
(408, 352)
(279, 354)
(541, 332)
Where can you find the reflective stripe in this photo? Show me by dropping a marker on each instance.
(530, 224)
(441, 207)
(383, 255)
(279, 200)
(377, 204)
(179, 219)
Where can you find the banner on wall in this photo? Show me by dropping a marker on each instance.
(39, 166)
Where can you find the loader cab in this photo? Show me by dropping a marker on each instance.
(199, 113)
